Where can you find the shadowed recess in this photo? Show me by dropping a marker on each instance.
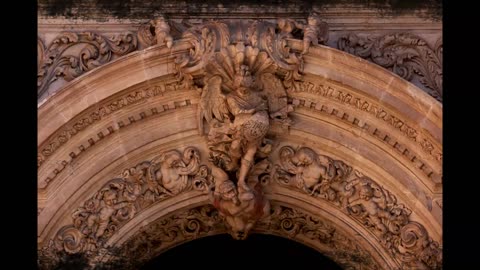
(215, 252)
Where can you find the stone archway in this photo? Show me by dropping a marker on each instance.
(354, 170)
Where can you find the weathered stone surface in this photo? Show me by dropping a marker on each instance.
(211, 113)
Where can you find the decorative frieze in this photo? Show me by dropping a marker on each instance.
(121, 198)
(135, 97)
(351, 100)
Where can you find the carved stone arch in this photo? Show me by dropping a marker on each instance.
(105, 138)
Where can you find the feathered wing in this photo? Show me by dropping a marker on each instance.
(213, 102)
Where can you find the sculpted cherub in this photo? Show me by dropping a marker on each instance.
(368, 202)
(99, 221)
(314, 32)
(306, 166)
(174, 169)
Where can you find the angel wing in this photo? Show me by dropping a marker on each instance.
(213, 103)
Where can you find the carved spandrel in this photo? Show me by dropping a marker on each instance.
(360, 197)
(405, 54)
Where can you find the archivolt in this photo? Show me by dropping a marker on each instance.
(351, 111)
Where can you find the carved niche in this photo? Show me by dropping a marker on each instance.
(363, 199)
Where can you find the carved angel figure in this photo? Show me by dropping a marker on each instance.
(368, 203)
(99, 221)
(239, 124)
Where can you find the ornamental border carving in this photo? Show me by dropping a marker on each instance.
(405, 54)
(302, 169)
(362, 199)
(167, 107)
(98, 50)
(345, 97)
(139, 95)
(68, 130)
(201, 221)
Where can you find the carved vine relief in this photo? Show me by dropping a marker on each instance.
(405, 54)
(243, 71)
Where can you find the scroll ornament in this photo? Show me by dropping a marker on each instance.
(57, 61)
(405, 54)
(362, 198)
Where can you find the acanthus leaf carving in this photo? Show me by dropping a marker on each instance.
(404, 53)
(293, 223)
(96, 50)
(361, 198)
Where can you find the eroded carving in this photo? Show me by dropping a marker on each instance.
(363, 199)
(97, 50)
(315, 32)
(241, 208)
(404, 53)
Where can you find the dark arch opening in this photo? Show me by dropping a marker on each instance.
(222, 251)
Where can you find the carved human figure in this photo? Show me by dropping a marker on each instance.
(365, 198)
(241, 208)
(162, 32)
(315, 31)
(175, 170)
(108, 206)
(286, 26)
(308, 168)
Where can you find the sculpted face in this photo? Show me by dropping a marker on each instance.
(229, 192)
